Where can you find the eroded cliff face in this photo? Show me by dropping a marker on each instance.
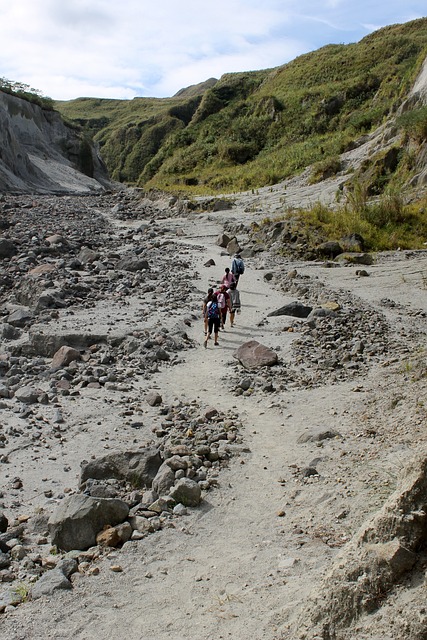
(39, 153)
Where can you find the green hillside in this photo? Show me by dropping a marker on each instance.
(253, 129)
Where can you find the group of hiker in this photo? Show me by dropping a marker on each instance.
(226, 299)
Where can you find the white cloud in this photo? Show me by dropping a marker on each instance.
(107, 48)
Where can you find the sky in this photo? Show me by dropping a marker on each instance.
(126, 48)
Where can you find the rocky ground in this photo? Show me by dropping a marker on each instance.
(225, 499)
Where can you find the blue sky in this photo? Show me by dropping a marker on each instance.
(127, 48)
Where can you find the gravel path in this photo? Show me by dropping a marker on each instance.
(243, 564)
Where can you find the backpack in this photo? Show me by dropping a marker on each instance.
(213, 311)
(240, 267)
(221, 301)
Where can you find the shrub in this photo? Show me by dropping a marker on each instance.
(325, 169)
(414, 123)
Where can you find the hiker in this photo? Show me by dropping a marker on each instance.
(223, 303)
(204, 309)
(235, 304)
(237, 267)
(213, 315)
(228, 278)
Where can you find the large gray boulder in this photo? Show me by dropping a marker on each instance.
(253, 355)
(330, 249)
(27, 394)
(164, 480)
(87, 255)
(137, 467)
(20, 317)
(133, 263)
(50, 582)
(233, 247)
(222, 240)
(7, 248)
(186, 492)
(295, 309)
(79, 518)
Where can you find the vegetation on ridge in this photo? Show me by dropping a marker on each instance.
(24, 91)
(258, 128)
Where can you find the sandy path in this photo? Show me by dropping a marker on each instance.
(233, 568)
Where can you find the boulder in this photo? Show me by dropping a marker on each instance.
(176, 463)
(87, 256)
(320, 312)
(164, 480)
(153, 398)
(55, 239)
(50, 582)
(211, 412)
(41, 270)
(356, 258)
(78, 519)
(253, 354)
(318, 434)
(137, 467)
(64, 356)
(47, 344)
(133, 263)
(353, 242)
(7, 248)
(161, 355)
(100, 490)
(5, 560)
(9, 332)
(67, 566)
(114, 536)
(220, 204)
(20, 317)
(222, 240)
(50, 299)
(10, 598)
(394, 554)
(329, 249)
(233, 247)
(141, 524)
(295, 309)
(3, 523)
(186, 492)
(165, 503)
(27, 394)
(331, 305)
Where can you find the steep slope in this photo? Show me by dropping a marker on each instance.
(258, 128)
(40, 153)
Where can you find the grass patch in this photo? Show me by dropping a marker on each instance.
(384, 224)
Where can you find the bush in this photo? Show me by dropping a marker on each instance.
(325, 169)
(414, 123)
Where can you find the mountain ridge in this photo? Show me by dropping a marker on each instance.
(257, 128)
